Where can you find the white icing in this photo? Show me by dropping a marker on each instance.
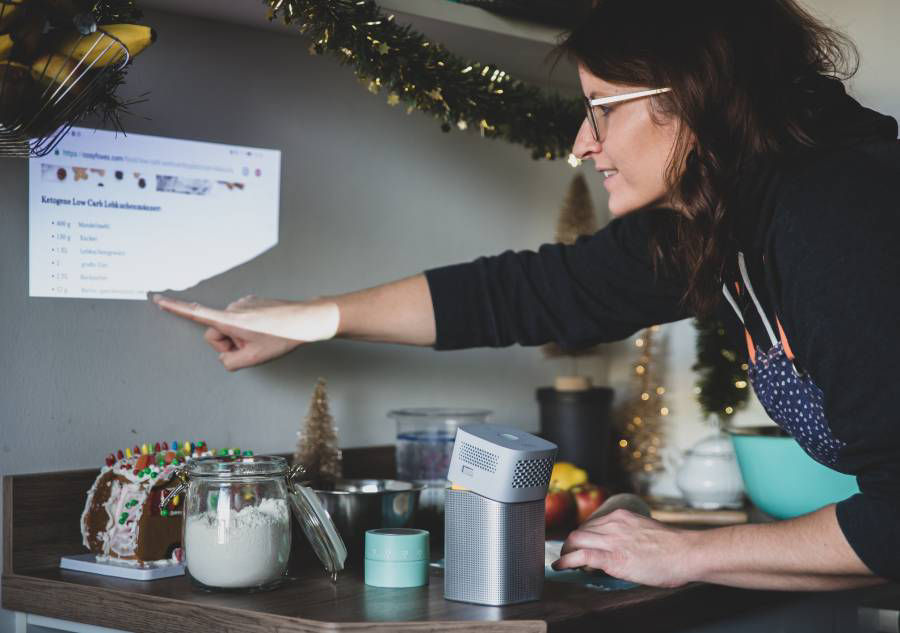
(87, 507)
(245, 548)
(121, 538)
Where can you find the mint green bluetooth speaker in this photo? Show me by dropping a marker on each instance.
(396, 557)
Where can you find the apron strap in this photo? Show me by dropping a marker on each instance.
(784, 342)
(742, 265)
(751, 348)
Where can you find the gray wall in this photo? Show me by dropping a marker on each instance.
(369, 194)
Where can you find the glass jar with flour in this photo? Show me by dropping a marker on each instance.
(237, 522)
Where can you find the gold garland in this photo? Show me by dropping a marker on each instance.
(426, 77)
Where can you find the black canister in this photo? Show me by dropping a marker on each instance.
(578, 422)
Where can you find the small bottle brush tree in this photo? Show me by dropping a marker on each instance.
(317, 447)
(576, 219)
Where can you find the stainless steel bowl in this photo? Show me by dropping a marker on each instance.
(357, 505)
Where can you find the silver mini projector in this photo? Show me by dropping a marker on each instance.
(494, 515)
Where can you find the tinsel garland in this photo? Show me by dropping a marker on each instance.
(722, 382)
(116, 12)
(425, 76)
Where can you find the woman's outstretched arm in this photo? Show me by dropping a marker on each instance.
(251, 331)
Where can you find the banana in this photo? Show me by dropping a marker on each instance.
(52, 68)
(8, 67)
(100, 50)
(15, 98)
(27, 32)
(58, 86)
(11, 67)
(6, 45)
(7, 11)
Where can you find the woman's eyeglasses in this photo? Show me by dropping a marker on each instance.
(601, 104)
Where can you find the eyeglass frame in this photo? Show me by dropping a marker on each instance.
(590, 104)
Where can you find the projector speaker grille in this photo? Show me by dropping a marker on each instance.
(478, 457)
(532, 472)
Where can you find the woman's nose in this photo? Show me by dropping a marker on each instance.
(585, 144)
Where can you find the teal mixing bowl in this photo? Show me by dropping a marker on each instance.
(780, 478)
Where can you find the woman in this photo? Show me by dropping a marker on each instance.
(746, 184)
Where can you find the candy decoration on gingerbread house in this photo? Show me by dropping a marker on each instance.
(123, 518)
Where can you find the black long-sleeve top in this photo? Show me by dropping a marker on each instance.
(827, 228)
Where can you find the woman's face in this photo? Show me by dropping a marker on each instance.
(635, 151)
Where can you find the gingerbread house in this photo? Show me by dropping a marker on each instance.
(123, 518)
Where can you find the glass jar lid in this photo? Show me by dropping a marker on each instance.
(318, 528)
(237, 466)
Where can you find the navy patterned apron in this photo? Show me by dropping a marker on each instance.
(788, 395)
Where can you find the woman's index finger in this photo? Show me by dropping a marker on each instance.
(192, 311)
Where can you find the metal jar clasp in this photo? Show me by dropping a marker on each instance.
(183, 481)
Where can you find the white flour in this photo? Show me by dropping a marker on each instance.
(247, 548)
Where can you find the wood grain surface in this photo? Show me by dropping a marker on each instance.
(310, 602)
(690, 516)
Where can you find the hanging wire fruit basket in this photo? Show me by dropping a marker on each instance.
(52, 76)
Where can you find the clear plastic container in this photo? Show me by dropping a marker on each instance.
(425, 438)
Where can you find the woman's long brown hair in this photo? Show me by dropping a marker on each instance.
(744, 77)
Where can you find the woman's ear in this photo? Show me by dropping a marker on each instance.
(682, 152)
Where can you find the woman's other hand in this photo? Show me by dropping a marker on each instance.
(630, 547)
(252, 331)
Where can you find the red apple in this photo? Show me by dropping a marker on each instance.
(559, 509)
(588, 497)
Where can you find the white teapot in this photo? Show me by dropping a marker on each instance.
(708, 475)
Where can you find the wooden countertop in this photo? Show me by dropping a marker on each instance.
(41, 517)
(310, 602)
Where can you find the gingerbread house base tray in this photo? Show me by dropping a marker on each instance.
(150, 571)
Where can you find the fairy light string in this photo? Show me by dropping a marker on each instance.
(641, 438)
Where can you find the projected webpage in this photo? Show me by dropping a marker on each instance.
(114, 216)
